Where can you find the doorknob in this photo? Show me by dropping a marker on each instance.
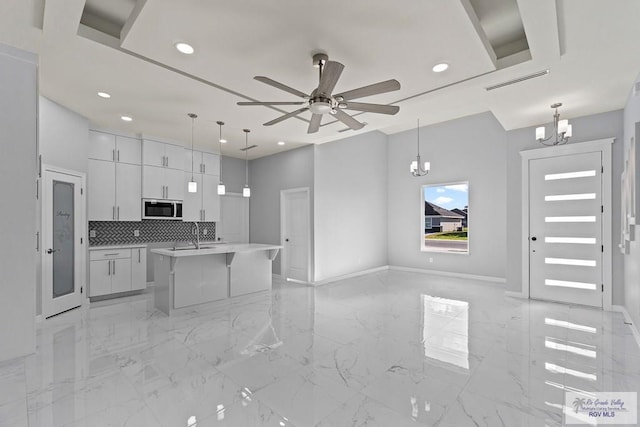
(50, 251)
(534, 238)
(286, 240)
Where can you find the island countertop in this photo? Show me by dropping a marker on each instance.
(215, 248)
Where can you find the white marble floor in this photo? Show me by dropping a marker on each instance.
(386, 349)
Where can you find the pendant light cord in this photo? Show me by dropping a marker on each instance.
(418, 139)
(246, 157)
(220, 147)
(193, 119)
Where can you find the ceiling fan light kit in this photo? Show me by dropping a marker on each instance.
(322, 101)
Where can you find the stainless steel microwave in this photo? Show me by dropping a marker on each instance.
(161, 209)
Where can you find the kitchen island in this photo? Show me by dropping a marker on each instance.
(189, 276)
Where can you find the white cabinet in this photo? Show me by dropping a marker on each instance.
(162, 173)
(162, 183)
(116, 270)
(161, 154)
(115, 148)
(114, 191)
(204, 205)
(203, 162)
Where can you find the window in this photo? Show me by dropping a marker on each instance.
(445, 215)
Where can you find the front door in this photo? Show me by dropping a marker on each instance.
(295, 234)
(565, 229)
(62, 202)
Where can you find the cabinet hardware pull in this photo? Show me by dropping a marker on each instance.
(118, 213)
(109, 268)
(139, 257)
(114, 267)
(111, 254)
(118, 155)
(113, 212)
(113, 155)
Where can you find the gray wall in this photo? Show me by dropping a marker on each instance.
(598, 126)
(233, 175)
(632, 260)
(18, 151)
(267, 176)
(469, 149)
(350, 205)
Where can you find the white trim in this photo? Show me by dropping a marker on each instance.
(350, 275)
(627, 318)
(491, 279)
(604, 147)
(307, 192)
(513, 294)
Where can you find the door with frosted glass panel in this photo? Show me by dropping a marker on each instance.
(565, 229)
(62, 234)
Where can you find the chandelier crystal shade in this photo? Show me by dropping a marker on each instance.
(417, 168)
(192, 187)
(221, 188)
(562, 130)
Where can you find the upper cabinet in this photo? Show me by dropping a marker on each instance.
(203, 162)
(114, 148)
(163, 155)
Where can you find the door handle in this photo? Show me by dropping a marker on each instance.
(286, 240)
(534, 238)
(50, 251)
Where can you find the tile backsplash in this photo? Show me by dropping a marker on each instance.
(103, 233)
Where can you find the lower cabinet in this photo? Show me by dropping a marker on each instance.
(117, 269)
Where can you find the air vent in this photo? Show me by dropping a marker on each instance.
(248, 148)
(518, 80)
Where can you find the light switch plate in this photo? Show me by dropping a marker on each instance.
(204, 232)
(136, 233)
(92, 233)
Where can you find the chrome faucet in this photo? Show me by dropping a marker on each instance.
(196, 240)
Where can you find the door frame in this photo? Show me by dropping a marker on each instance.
(283, 194)
(82, 249)
(604, 146)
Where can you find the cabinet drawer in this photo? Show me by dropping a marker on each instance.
(109, 254)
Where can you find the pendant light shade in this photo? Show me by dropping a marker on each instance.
(246, 191)
(416, 167)
(221, 188)
(192, 187)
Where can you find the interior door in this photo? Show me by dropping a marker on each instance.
(62, 213)
(565, 229)
(234, 219)
(295, 234)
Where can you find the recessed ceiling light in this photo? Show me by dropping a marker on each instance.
(104, 95)
(438, 68)
(185, 48)
(126, 118)
(280, 142)
(223, 141)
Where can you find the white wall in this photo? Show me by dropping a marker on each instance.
(18, 173)
(597, 126)
(267, 176)
(350, 205)
(469, 149)
(632, 260)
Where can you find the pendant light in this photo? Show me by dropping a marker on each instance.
(246, 191)
(221, 188)
(193, 185)
(562, 130)
(416, 168)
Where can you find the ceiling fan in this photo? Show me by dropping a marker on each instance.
(321, 100)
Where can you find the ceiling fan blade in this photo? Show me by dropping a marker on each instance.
(280, 86)
(330, 75)
(271, 103)
(372, 108)
(348, 120)
(374, 89)
(314, 125)
(286, 116)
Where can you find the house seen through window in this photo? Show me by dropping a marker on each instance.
(445, 213)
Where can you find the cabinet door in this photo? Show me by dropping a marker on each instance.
(100, 278)
(197, 160)
(192, 203)
(153, 153)
(101, 146)
(121, 275)
(211, 164)
(138, 268)
(152, 182)
(128, 150)
(174, 180)
(128, 192)
(175, 156)
(101, 190)
(210, 198)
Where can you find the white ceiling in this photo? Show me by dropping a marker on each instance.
(589, 46)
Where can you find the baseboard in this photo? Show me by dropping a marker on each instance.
(350, 275)
(515, 294)
(490, 279)
(276, 277)
(627, 318)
